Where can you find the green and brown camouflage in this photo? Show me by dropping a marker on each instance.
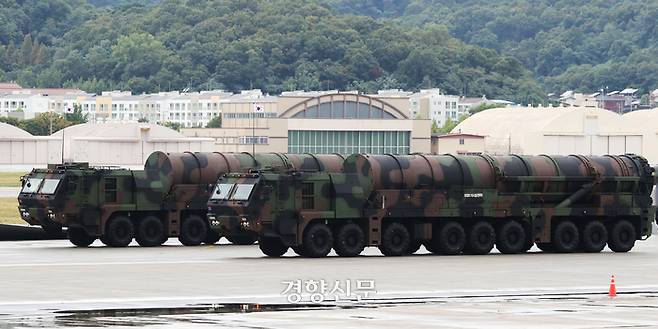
(238, 213)
(516, 200)
(170, 195)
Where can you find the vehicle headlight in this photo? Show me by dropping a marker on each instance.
(244, 222)
(51, 215)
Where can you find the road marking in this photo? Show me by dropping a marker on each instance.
(379, 297)
(112, 263)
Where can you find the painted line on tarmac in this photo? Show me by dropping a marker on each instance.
(396, 297)
(111, 263)
(515, 292)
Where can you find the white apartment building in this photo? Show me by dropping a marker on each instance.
(186, 109)
(430, 103)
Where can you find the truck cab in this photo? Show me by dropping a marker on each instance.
(46, 195)
(277, 207)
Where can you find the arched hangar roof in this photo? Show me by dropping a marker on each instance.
(9, 131)
(344, 106)
(642, 120)
(500, 122)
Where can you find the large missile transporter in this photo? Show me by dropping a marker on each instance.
(166, 199)
(450, 204)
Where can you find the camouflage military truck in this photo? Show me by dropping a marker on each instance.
(450, 204)
(166, 199)
(236, 189)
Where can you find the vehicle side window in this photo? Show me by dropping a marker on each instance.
(308, 196)
(110, 190)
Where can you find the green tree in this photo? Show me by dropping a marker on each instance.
(485, 106)
(10, 120)
(42, 124)
(449, 125)
(215, 122)
(435, 128)
(173, 125)
(77, 117)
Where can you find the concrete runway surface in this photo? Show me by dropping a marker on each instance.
(52, 284)
(9, 192)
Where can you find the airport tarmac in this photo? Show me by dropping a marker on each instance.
(9, 192)
(50, 283)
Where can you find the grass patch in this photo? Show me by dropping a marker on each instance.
(9, 211)
(11, 179)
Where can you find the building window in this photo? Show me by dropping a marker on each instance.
(253, 140)
(308, 197)
(343, 110)
(461, 141)
(349, 142)
(248, 115)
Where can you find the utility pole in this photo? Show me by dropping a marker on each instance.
(63, 129)
(253, 129)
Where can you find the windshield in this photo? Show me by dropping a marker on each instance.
(32, 185)
(242, 192)
(49, 186)
(222, 191)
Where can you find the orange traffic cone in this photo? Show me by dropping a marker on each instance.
(612, 292)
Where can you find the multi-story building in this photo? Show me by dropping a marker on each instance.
(186, 109)
(571, 98)
(615, 101)
(25, 103)
(431, 104)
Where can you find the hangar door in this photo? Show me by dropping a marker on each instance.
(565, 144)
(623, 144)
(592, 145)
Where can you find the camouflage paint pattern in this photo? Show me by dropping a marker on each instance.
(422, 189)
(171, 186)
(275, 201)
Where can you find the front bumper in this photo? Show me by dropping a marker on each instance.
(228, 225)
(40, 216)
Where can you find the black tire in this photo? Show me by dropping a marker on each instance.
(528, 243)
(119, 231)
(349, 240)
(565, 237)
(414, 245)
(480, 239)
(272, 247)
(395, 240)
(622, 236)
(317, 240)
(193, 231)
(546, 246)
(449, 238)
(150, 232)
(511, 238)
(243, 239)
(299, 250)
(79, 237)
(212, 237)
(593, 237)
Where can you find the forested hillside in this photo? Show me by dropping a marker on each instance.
(573, 44)
(273, 45)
